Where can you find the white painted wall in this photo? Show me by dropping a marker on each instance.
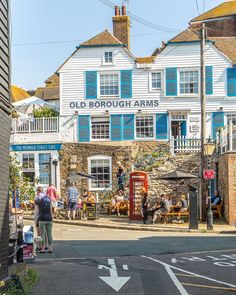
(174, 55)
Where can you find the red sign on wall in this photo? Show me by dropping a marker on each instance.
(208, 174)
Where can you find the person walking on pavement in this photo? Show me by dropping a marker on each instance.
(120, 174)
(38, 196)
(144, 205)
(73, 197)
(53, 195)
(45, 221)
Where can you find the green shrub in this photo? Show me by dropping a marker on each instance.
(45, 112)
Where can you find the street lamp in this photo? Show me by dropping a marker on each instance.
(209, 148)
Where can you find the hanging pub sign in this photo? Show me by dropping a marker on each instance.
(116, 104)
(208, 174)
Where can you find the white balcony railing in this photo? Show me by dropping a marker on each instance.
(226, 138)
(181, 144)
(35, 125)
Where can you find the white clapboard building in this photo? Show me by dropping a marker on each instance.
(113, 96)
(109, 95)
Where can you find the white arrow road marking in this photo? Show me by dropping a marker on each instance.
(174, 260)
(115, 283)
(188, 272)
(113, 280)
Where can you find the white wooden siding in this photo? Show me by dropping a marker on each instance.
(174, 55)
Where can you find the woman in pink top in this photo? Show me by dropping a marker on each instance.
(53, 195)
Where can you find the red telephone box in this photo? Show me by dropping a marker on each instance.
(138, 180)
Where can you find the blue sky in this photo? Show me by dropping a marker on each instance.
(42, 21)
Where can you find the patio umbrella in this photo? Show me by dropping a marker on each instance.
(85, 176)
(177, 175)
(23, 105)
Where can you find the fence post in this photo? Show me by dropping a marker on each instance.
(172, 144)
(230, 130)
(43, 124)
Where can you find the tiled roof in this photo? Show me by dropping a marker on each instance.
(18, 93)
(145, 60)
(225, 9)
(53, 81)
(104, 38)
(48, 93)
(185, 36)
(226, 45)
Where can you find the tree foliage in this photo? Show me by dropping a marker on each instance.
(45, 112)
(18, 182)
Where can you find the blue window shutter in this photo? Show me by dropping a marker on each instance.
(128, 127)
(171, 81)
(161, 126)
(217, 122)
(91, 84)
(116, 127)
(209, 80)
(126, 84)
(84, 128)
(183, 128)
(231, 82)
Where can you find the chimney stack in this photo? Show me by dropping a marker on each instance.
(121, 26)
(123, 10)
(117, 11)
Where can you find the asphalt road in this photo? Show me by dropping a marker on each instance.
(104, 261)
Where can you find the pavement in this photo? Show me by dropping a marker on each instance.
(90, 260)
(123, 222)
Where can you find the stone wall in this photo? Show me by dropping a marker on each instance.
(227, 184)
(152, 157)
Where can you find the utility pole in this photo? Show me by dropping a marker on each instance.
(203, 120)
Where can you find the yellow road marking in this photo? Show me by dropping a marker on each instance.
(210, 287)
(184, 275)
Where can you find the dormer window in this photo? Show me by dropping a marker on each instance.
(108, 57)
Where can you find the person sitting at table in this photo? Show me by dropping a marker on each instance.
(161, 209)
(216, 199)
(90, 198)
(183, 207)
(119, 199)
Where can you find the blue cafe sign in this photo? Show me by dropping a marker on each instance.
(35, 147)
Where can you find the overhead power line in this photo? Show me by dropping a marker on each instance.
(142, 21)
(196, 1)
(70, 41)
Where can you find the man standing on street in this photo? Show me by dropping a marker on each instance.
(73, 197)
(53, 195)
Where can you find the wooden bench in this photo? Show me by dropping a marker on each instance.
(217, 209)
(174, 214)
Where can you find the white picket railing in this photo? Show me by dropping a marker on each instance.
(181, 144)
(35, 125)
(226, 138)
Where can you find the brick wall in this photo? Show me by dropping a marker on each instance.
(227, 185)
(225, 27)
(121, 29)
